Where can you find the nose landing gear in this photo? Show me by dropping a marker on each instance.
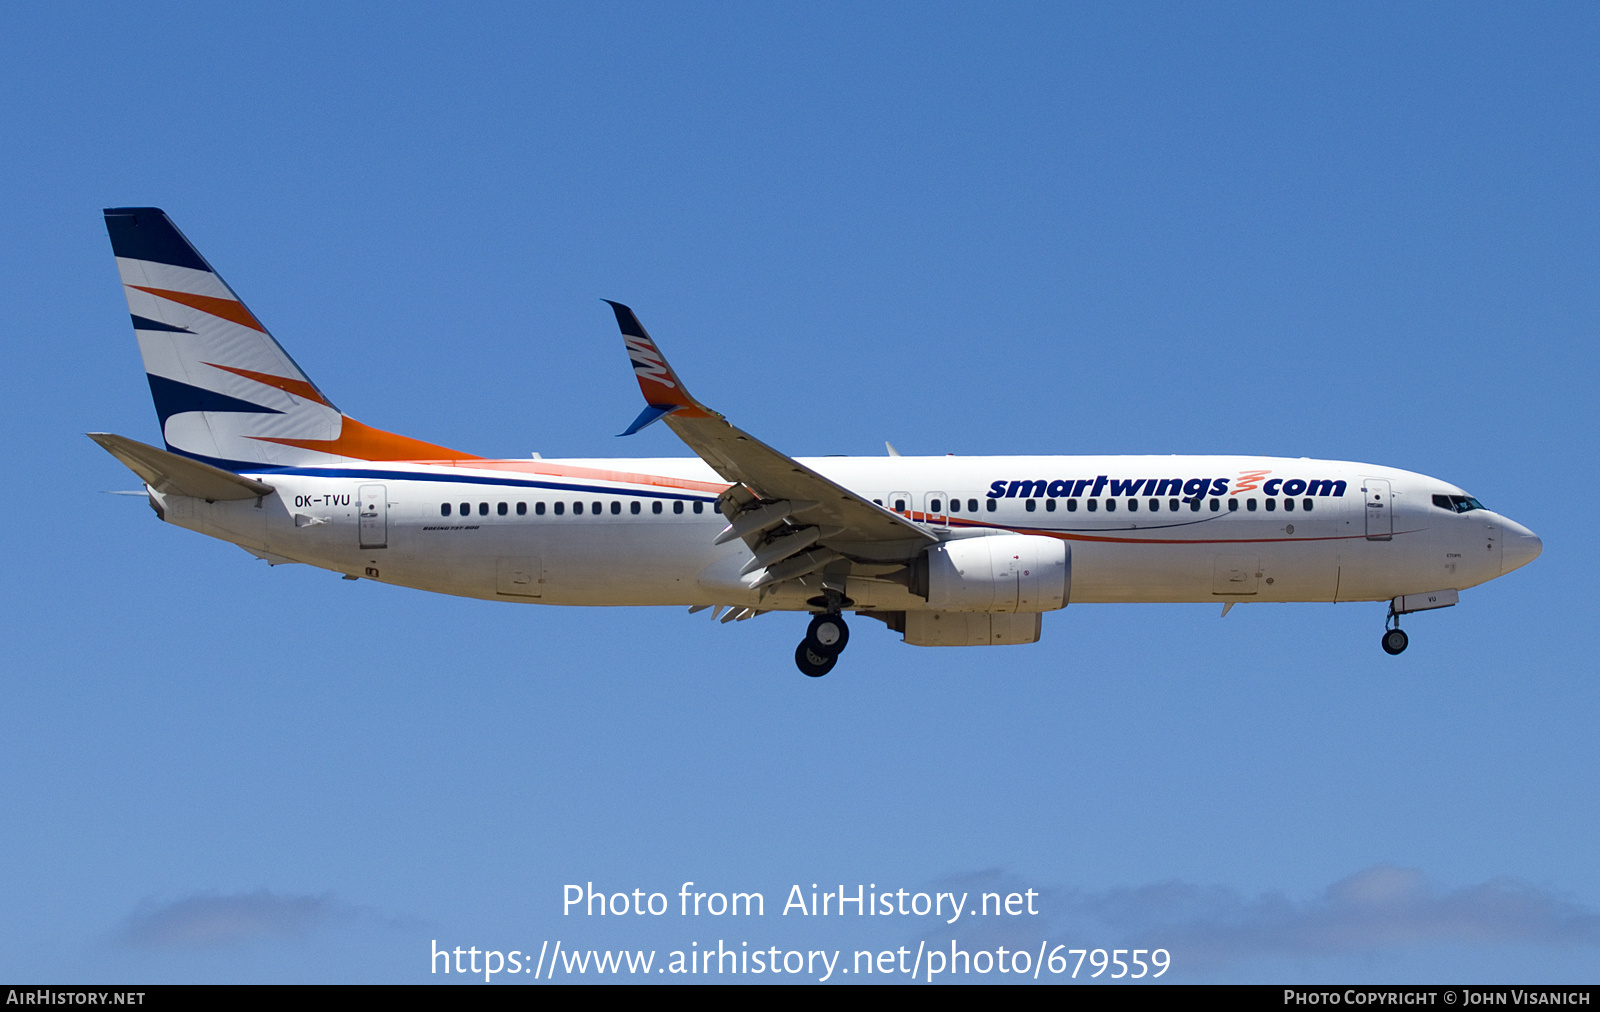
(1394, 639)
(826, 638)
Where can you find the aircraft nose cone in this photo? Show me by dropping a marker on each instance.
(1520, 546)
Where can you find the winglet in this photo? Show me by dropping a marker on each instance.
(664, 393)
(651, 413)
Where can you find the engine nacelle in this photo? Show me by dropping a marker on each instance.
(1004, 573)
(971, 629)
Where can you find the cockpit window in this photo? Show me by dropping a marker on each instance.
(1457, 503)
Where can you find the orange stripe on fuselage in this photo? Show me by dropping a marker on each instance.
(231, 310)
(300, 388)
(363, 442)
(590, 473)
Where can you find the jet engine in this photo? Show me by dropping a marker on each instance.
(1003, 573)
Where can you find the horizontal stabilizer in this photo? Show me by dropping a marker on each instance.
(171, 474)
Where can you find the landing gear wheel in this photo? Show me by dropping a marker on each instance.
(827, 634)
(813, 664)
(1394, 642)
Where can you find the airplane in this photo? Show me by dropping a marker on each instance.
(945, 551)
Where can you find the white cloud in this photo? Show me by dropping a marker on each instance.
(1381, 908)
(212, 920)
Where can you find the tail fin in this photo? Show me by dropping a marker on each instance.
(225, 392)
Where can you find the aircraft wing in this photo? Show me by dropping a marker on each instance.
(792, 506)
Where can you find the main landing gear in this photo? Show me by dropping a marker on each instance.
(826, 638)
(1394, 639)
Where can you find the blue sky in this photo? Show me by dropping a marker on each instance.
(1338, 231)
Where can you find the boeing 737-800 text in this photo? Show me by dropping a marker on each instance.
(947, 551)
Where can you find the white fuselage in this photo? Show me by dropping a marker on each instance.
(640, 532)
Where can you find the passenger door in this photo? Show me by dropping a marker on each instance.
(374, 516)
(1379, 509)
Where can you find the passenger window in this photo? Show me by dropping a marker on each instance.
(677, 506)
(1050, 505)
(655, 507)
(502, 509)
(1091, 504)
(1272, 504)
(538, 508)
(699, 507)
(1288, 504)
(972, 505)
(1072, 505)
(466, 509)
(1194, 505)
(522, 509)
(560, 507)
(1216, 504)
(1155, 505)
(993, 505)
(634, 507)
(444, 509)
(1306, 505)
(1133, 505)
(1030, 505)
(1250, 504)
(936, 506)
(1172, 505)
(877, 502)
(483, 509)
(577, 508)
(1233, 505)
(597, 507)
(899, 505)
(616, 507)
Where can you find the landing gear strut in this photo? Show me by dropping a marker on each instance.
(1394, 639)
(826, 638)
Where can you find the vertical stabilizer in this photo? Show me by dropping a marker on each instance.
(225, 391)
